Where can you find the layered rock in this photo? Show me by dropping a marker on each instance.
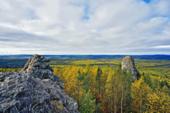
(128, 65)
(34, 90)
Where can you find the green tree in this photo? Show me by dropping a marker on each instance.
(98, 89)
(87, 103)
(117, 95)
(121, 87)
(80, 78)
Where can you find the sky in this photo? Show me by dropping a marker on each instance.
(85, 27)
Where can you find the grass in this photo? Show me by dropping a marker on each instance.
(10, 69)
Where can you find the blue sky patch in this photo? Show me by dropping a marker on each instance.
(86, 10)
(147, 1)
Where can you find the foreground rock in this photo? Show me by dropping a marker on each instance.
(34, 90)
(128, 65)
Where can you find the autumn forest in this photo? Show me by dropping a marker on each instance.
(100, 86)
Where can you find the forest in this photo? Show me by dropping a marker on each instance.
(99, 85)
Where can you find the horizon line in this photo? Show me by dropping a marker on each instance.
(81, 54)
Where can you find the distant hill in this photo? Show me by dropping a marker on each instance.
(9, 61)
(144, 57)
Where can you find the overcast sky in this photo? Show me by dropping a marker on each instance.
(85, 26)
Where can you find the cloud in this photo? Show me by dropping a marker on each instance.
(84, 26)
(162, 47)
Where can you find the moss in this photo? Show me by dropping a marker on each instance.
(58, 106)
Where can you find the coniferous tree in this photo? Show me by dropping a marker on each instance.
(87, 103)
(98, 90)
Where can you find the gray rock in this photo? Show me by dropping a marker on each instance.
(34, 90)
(37, 66)
(128, 65)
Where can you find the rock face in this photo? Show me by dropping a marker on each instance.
(34, 90)
(37, 67)
(128, 65)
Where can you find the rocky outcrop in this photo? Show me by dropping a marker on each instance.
(34, 90)
(128, 65)
(38, 67)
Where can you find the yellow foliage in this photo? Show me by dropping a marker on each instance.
(139, 92)
(158, 102)
(144, 99)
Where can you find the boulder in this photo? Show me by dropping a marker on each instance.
(128, 66)
(34, 90)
